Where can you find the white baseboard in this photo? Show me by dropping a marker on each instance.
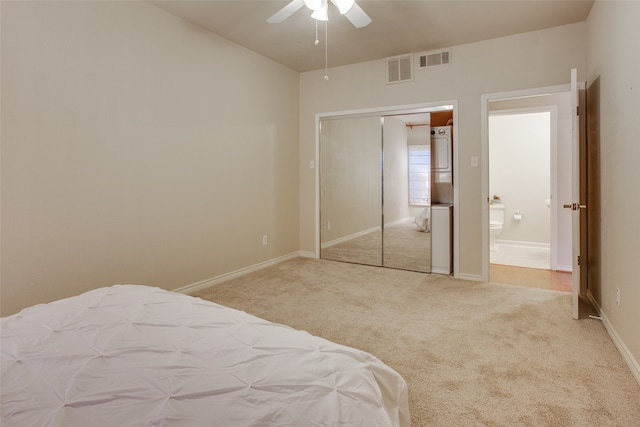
(194, 287)
(565, 268)
(523, 244)
(471, 277)
(593, 301)
(399, 221)
(349, 237)
(307, 254)
(633, 364)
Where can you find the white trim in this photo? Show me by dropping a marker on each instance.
(472, 277)
(524, 244)
(393, 110)
(456, 196)
(401, 221)
(553, 205)
(593, 301)
(564, 268)
(397, 110)
(633, 364)
(194, 287)
(317, 187)
(308, 254)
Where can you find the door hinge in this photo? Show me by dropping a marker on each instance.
(578, 259)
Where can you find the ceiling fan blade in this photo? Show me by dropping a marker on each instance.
(286, 12)
(357, 16)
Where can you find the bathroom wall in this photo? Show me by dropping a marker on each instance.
(519, 163)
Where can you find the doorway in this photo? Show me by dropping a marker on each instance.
(520, 154)
(530, 178)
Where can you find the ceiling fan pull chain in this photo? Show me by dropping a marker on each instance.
(326, 50)
(317, 41)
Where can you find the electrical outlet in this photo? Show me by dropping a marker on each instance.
(329, 225)
(618, 296)
(264, 240)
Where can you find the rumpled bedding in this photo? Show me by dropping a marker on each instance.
(132, 355)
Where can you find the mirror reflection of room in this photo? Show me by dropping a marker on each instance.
(351, 189)
(407, 176)
(385, 182)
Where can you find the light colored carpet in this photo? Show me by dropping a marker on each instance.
(472, 354)
(406, 247)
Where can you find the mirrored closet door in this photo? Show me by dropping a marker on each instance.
(406, 192)
(351, 189)
(375, 189)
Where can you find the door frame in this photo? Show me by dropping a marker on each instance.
(485, 99)
(391, 111)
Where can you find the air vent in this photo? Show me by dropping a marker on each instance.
(400, 69)
(431, 59)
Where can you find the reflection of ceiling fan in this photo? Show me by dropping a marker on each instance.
(348, 8)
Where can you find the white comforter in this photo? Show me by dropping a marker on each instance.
(139, 356)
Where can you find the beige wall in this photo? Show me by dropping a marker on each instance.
(614, 58)
(137, 148)
(536, 59)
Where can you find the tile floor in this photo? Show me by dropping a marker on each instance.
(522, 256)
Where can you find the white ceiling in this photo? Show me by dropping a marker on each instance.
(398, 26)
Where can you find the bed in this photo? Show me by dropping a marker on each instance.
(131, 355)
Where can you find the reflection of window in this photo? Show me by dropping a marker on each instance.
(419, 170)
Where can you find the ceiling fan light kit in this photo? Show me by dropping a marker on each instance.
(348, 8)
(320, 8)
(321, 13)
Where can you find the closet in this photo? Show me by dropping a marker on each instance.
(386, 190)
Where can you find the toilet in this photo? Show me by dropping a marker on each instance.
(496, 220)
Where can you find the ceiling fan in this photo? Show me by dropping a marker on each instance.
(348, 8)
